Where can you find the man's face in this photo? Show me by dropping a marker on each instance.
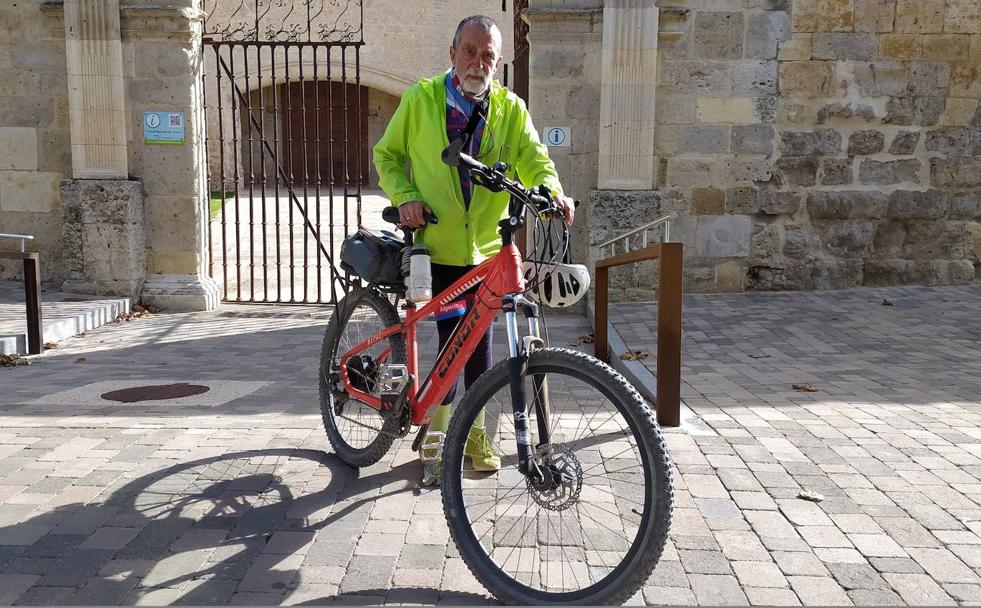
(476, 57)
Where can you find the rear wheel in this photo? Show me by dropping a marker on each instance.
(359, 434)
(593, 533)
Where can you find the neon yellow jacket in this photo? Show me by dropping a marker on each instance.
(417, 132)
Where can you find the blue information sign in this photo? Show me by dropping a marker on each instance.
(163, 128)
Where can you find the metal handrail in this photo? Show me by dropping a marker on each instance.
(23, 238)
(643, 229)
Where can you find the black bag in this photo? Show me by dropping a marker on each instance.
(373, 255)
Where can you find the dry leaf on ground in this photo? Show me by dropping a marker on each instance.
(804, 388)
(80, 360)
(810, 495)
(50, 345)
(886, 302)
(634, 355)
(12, 361)
(760, 356)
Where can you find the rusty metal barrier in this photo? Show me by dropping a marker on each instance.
(669, 288)
(32, 291)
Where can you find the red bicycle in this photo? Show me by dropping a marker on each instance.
(580, 509)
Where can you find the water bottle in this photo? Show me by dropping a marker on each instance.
(419, 282)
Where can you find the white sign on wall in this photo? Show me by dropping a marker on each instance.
(558, 137)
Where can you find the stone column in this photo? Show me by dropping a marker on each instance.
(166, 47)
(104, 249)
(96, 97)
(626, 135)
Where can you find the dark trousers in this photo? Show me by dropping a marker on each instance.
(480, 361)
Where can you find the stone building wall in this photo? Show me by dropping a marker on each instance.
(822, 144)
(35, 150)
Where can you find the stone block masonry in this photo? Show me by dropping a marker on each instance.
(823, 143)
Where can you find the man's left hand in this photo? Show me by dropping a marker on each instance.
(568, 207)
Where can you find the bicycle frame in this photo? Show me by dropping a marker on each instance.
(497, 277)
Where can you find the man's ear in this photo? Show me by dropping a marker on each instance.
(452, 54)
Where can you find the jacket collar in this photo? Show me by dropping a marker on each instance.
(435, 87)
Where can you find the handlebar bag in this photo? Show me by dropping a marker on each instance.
(373, 255)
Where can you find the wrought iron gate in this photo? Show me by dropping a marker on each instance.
(286, 141)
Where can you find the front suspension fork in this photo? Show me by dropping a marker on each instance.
(520, 350)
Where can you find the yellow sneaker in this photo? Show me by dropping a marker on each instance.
(480, 451)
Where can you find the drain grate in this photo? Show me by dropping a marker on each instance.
(155, 392)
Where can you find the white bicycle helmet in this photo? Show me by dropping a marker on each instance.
(556, 285)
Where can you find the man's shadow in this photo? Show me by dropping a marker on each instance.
(176, 516)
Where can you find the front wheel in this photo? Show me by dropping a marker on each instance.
(595, 532)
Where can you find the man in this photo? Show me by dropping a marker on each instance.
(432, 113)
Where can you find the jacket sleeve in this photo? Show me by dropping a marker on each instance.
(533, 164)
(390, 153)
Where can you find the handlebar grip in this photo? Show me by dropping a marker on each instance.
(391, 215)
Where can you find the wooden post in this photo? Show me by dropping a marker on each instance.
(32, 293)
(601, 346)
(669, 335)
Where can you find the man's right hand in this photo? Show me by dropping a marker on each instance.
(411, 213)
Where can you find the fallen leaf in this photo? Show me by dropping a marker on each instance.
(50, 345)
(804, 388)
(13, 361)
(634, 355)
(886, 302)
(587, 338)
(80, 360)
(810, 495)
(760, 356)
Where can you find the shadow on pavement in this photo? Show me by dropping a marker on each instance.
(202, 531)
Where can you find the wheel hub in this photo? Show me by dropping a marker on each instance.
(561, 483)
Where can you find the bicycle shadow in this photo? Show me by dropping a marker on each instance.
(202, 531)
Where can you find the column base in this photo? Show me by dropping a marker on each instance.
(181, 293)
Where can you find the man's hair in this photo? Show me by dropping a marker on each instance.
(482, 21)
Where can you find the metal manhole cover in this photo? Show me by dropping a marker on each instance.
(155, 392)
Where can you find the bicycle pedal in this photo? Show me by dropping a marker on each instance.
(431, 450)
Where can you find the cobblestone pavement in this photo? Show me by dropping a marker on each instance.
(237, 500)
(227, 497)
(890, 436)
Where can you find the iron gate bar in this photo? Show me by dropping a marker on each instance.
(306, 164)
(316, 148)
(248, 108)
(330, 157)
(275, 91)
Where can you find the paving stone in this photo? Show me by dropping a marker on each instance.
(824, 536)
(718, 590)
(837, 555)
(704, 562)
(46, 596)
(943, 566)
(270, 573)
(874, 597)
(759, 596)
(857, 576)
(799, 563)
(367, 572)
(876, 545)
(918, 589)
(898, 565)
(12, 586)
(669, 596)
(758, 574)
(818, 591)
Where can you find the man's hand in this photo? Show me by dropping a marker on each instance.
(411, 213)
(568, 207)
